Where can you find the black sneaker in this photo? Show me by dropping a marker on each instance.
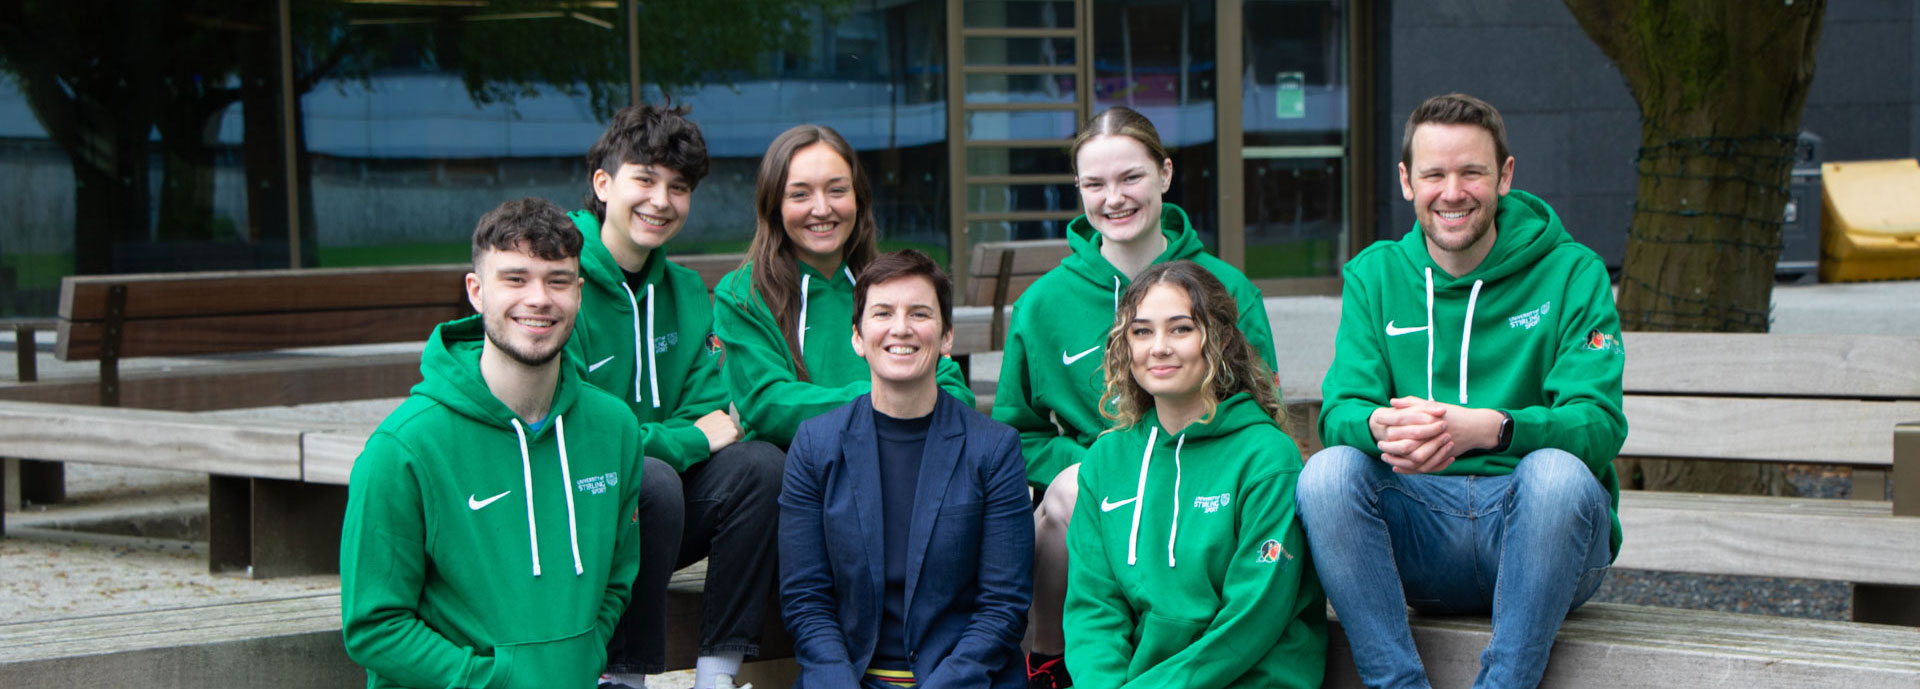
(1047, 672)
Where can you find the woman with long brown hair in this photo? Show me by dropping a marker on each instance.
(782, 317)
(1190, 566)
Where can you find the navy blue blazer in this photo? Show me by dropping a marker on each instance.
(969, 557)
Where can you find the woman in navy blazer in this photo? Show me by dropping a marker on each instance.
(898, 568)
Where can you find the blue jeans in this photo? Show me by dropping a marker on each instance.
(1526, 547)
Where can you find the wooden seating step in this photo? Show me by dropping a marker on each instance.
(291, 641)
(1603, 646)
(279, 642)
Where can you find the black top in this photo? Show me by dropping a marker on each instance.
(901, 444)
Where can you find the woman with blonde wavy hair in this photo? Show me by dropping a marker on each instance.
(1190, 567)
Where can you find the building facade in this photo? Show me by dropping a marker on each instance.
(222, 134)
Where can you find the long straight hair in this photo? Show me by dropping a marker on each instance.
(775, 269)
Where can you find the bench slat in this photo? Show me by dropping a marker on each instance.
(1607, 645)
(1844, 540)
(1765, 429)
(1855, 366)
(226, 622)
(1030, 256)
(980, 290)
(328, 457)
(164, 295)
(238, 384)
(181, 441)
(194, 336)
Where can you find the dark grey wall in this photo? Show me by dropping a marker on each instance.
(1573, 126)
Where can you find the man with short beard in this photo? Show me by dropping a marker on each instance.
(1471, 415)
(489, 538)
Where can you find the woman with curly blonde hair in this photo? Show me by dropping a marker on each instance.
(1190, 578)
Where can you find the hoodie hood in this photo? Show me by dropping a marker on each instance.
(450, 375)
(1087, 263)
(1526, 229)
(1050, 379)
(608, 283)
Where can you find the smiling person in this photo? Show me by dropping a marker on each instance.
(489, 537)
(643, 336)
(1457, 478)
(905, 541)
(777, 314)
(1189, 566)
(1050, 380)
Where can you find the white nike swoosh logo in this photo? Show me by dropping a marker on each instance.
(599, 363)
(1111, 506)
(473, 504)
(1066, 360)
(1396, 332)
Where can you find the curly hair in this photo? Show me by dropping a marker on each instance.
(534, 225)
(1232, 365)
(648, 135)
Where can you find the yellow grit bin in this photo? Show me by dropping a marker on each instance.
(1870, 220)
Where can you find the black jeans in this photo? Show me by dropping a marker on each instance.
(723, 509)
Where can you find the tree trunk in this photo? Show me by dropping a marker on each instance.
(1720, 85)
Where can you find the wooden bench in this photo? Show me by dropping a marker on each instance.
(283, 642)
(1813, 399)
(255, 499)
(1603, 646)
(998, 272)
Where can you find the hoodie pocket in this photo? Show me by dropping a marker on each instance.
(1160, 638)
(571, 661)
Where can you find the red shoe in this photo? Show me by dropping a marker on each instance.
(1050, 673)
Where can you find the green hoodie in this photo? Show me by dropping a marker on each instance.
(759, 372)
(460, 565)
(1193, 579)
(1531, 331)
(1050, 379)
(669, 385)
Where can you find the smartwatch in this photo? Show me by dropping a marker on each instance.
(1506, 434)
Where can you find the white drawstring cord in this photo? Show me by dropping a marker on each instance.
(1466, 335)
(1429, 272)
(636, 336)
(1174, 533)
(566, 486)
(1133, 535)
(526, 474)
(800, 335)
(653, 375)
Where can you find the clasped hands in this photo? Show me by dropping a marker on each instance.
(1421, 436)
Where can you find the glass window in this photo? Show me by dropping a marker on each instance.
(1294, 114)
(137, 139)
(1157, 57)
(421, 117)
(877, 75)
